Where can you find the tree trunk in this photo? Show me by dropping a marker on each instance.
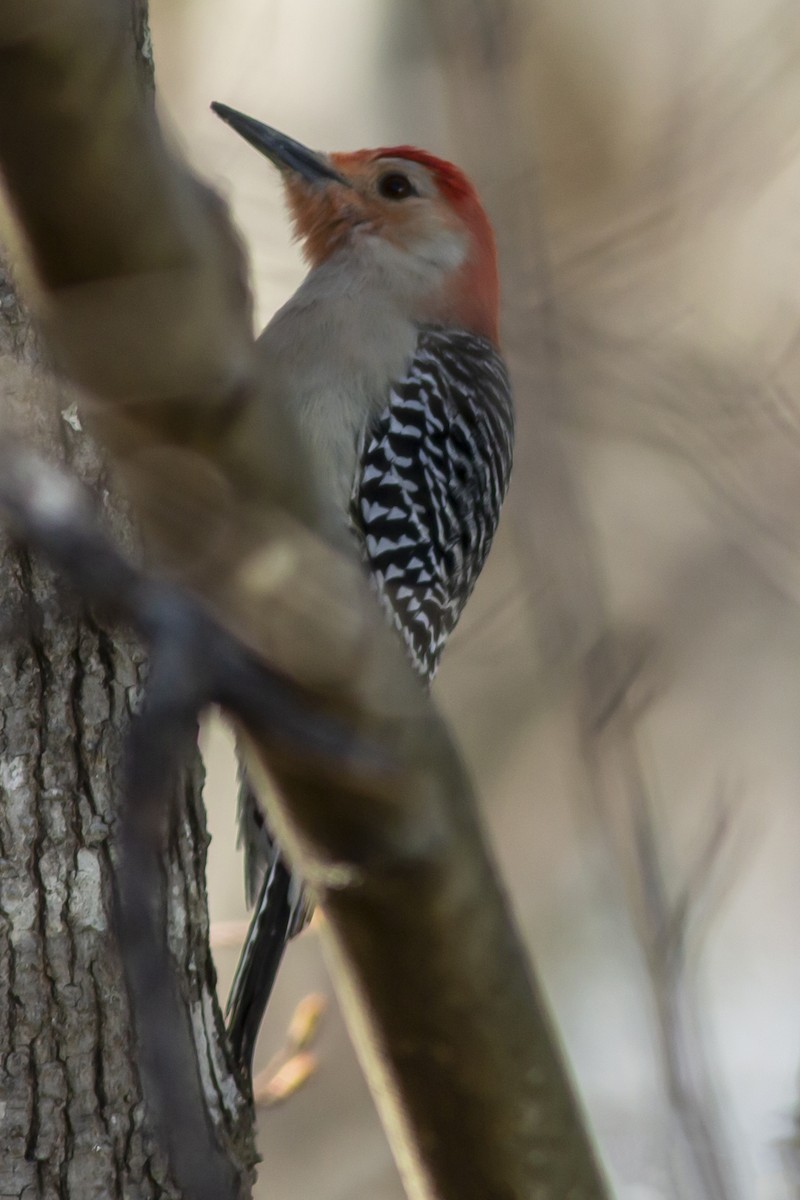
(72, 1120)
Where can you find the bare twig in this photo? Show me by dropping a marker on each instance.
(158, 743)
(663, 925)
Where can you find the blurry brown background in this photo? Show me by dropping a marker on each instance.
(641, 165)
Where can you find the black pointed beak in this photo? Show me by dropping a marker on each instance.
(283, 151)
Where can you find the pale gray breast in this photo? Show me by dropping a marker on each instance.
(332, 358)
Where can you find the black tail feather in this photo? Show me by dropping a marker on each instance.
(255, 976)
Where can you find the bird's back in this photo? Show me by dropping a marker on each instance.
(431, 478)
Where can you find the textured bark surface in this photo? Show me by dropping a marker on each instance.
(71, 1114)
(72, 1121)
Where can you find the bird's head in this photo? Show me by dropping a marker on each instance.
(411, 215)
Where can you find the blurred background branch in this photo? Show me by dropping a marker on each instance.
(483, 51)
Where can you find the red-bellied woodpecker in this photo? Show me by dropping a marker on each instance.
(387, 355)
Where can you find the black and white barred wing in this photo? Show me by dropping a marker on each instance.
(433, 475)
(433, 472)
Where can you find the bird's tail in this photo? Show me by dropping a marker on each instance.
(281, 909)
(270, 929)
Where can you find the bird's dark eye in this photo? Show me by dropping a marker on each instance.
(396, 186)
